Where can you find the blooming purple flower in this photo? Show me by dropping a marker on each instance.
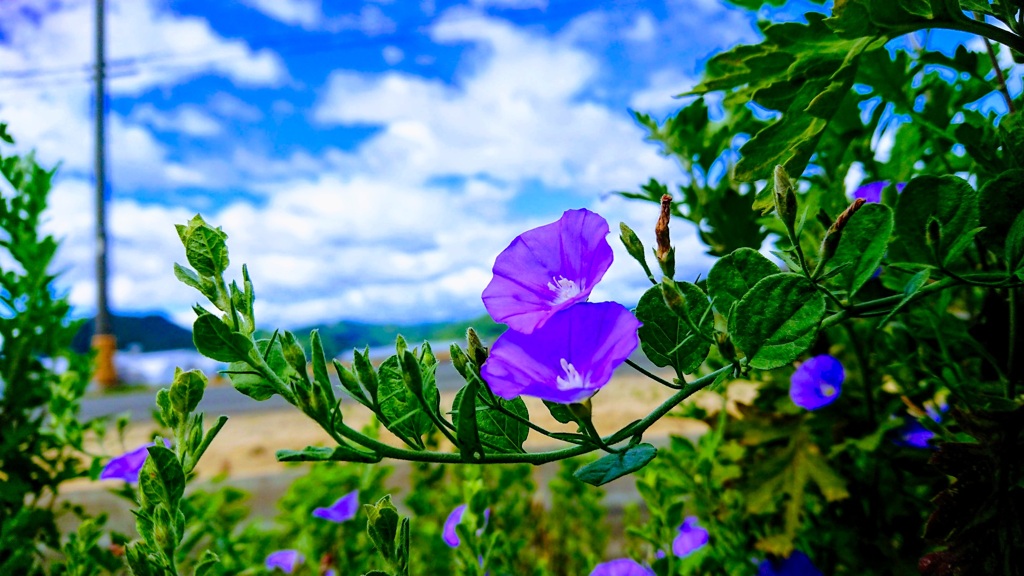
(798, 564)
(622, 567)
(449, 535)
(568, 359)
(548, 269)
(872, 191)
(286, 560)
(342, 510)
(817, 382)
(914, 434)
(127, 466)
(691, 537)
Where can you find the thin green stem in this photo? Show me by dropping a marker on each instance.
(653, 376)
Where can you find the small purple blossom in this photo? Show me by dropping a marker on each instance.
(450, 535)
(286, 560)
(691, 537)
(817, 382)
(872, 191)
(798, 564)
(548, 269)
(127, 466)
(622, 567)
(568, 359)
(914, 435)
(343, 510)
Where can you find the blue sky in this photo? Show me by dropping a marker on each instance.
(368, 160)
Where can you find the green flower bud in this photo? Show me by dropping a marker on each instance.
(785, 199)
(664, 252)
(477, 350)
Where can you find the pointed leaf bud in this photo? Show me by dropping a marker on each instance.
(785, 199)
(477, 350)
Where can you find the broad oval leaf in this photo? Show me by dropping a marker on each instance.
(949, 200)
(612, 466)
(162, 479)
(862, 246)
(777, 320)
(215, 340)
(735, 274)
(999, 201)
(325, 454)
(497, 430)
(666, 338)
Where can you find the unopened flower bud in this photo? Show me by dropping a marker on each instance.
(664, 252)
(582, 410)
(785, 199)
(725, 346)
(477, 350)
(459, 360)
(830, 243)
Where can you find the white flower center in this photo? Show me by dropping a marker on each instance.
(572, 379)
(828, 390)
(563, 288)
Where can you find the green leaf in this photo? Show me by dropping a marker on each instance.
(207, 563)
(403, 411)
(170, 418)
(187, 390)
(205, 247)
(247, 381)
(735, 274)
(214, 339)
(349, 381)
(368, 378)
(161, 479)
(862, 246)
(666, 338)
(1015, 247)
(498, 430)
(913, 286)
(635, 248)
(777, 320)
(466, 429)
(999, 202)
(382, 526)
(612, 466)
(323, 454)
(320, 374)
(560, 412)
(949, 200)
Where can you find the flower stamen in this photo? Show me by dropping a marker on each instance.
(563, 288)
(572, 380)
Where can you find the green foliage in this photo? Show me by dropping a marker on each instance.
(613, 466)
(675, 337)
(777, 320)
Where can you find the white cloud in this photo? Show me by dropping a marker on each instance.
(511, 4)
(189, 119)
(644, 28)
(392, 54)
(658, 96)
(227, 106)
(305, 13)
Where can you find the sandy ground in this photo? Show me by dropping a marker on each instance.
(245, 447)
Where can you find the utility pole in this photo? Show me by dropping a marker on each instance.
(103, 340)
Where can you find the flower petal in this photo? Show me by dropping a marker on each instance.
(817, 382)
(622, 567)
(286, 560)
(568, 359)
(798, 564)
(548, 269)
(691, 538)
(127, 466)
(343, 509)
(450, 536)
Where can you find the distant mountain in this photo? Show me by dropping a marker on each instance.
(341, 337)
(143, 333)
(156, 333)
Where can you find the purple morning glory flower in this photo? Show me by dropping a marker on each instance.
(127, 466)
(548, 269)
(872, 191)
(691, 538)
(622, 567)
(817, 382)
(798, 564)
(286, 560)
(342, 510)
(568, 359)
(914, 434)
(449, 535)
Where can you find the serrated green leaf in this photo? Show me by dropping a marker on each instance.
(612, 466)
(205, 247)
(499, 431)
(862, 246)
(777, 320)
(667, 339)
(735, 274)
(404, 412)
(216, 340)
(1015, 247)
(949, 200)
(161, 479)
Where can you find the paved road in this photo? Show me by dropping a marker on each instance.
(227, 400)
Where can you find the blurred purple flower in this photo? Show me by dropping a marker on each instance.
(872, 191)
(449, 535)
(286, 560)
(127, 466)
(622, 567)
(817, 382)
(798, 564)
(548, 269)
(914, 435)
(568, 359)
(691, 537)
(342, 510)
